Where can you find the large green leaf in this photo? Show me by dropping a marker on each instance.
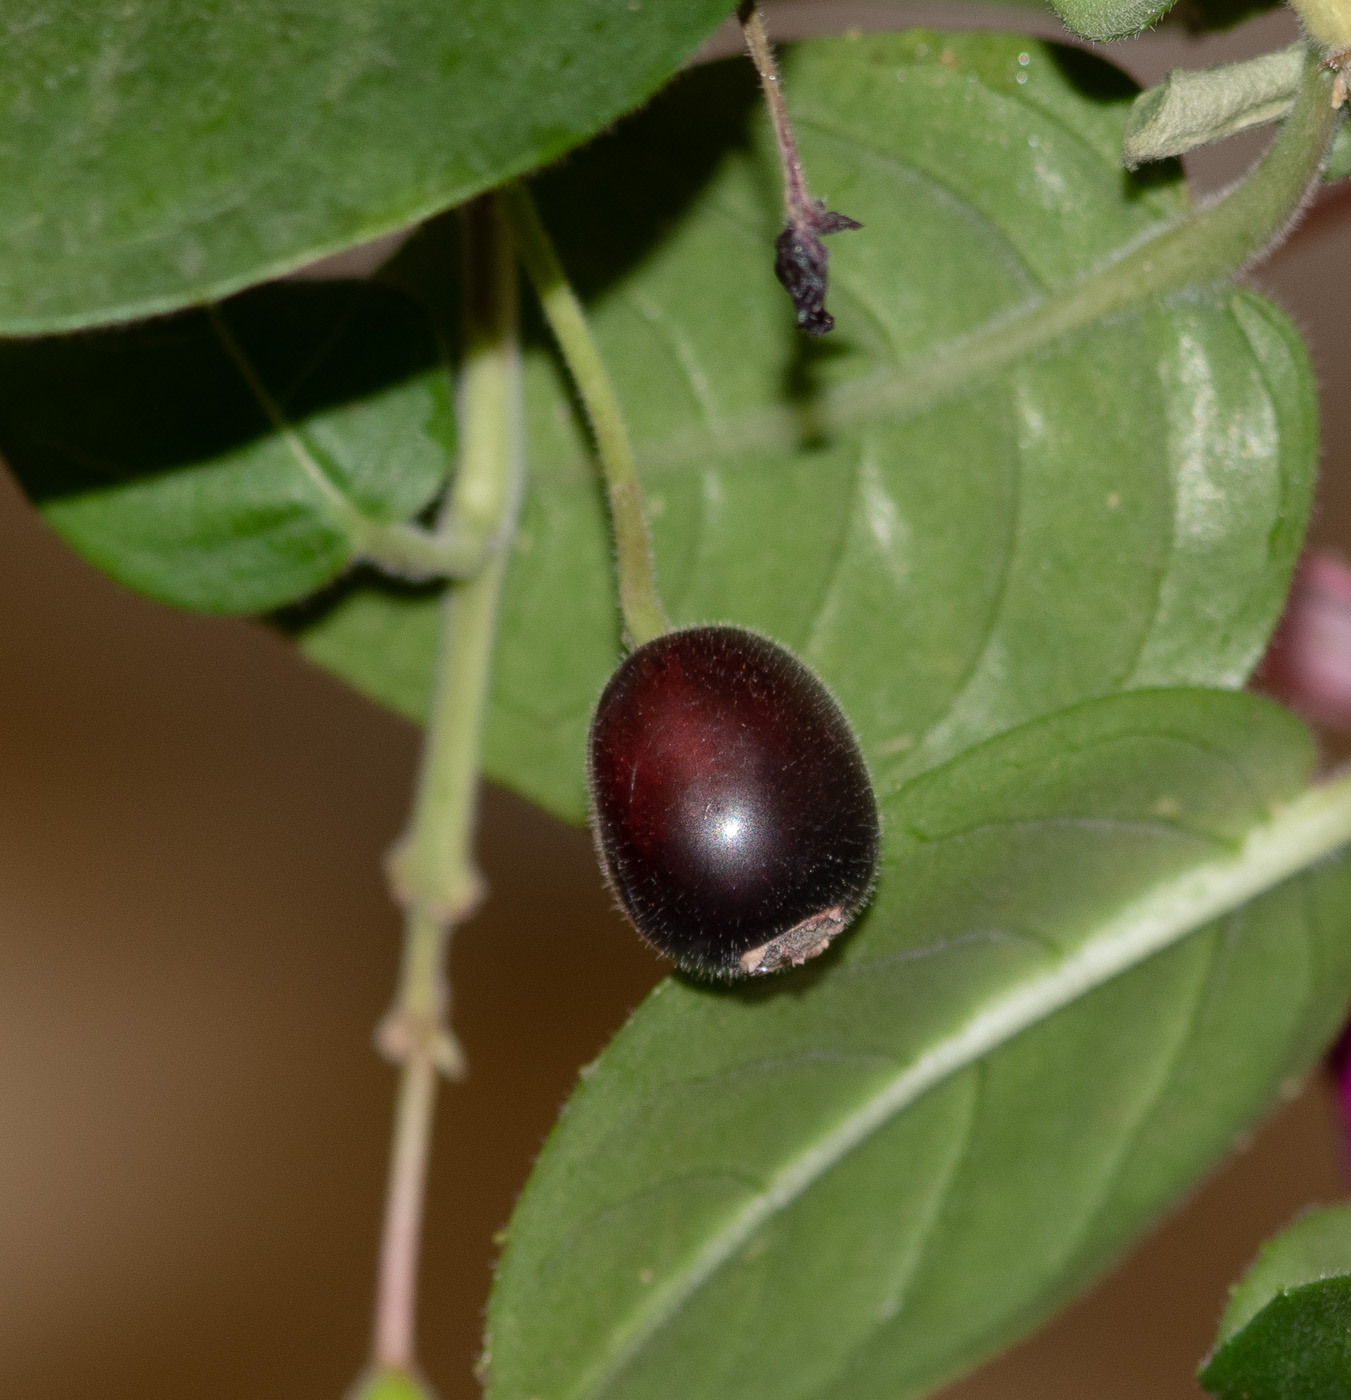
(959, 517)
(156, 153)
(1286, 1334)
(862, 1177)
(150, 450)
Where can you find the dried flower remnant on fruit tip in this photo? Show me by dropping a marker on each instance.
(800, 258)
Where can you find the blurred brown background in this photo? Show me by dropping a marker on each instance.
(195, 944)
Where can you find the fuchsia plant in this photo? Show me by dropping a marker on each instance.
(987, 572)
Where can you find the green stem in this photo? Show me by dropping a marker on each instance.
(1238, 227)
(432, 870)
(644, 616)
(1205, 247)
(457, 549)
(1211, 244)
(411, 552)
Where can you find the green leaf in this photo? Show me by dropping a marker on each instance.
(151, 453)
(961, 518)
(1119, 19)
(1286, 1334)
(1195, 106)
(1110, 19)
(157, 154)
(1316, 1246)
(860, 1178)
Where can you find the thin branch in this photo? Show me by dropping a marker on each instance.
(639, 601)
(410, 552)
(1203, 247)
(432, 870)
(400, 548)
(801, 262)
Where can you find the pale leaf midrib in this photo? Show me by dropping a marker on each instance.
(1313, 825)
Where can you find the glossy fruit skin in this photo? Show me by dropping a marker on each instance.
(732, 809)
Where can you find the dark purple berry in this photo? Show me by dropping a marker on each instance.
(733, 812)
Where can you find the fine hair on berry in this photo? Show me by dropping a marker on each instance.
(732, 809)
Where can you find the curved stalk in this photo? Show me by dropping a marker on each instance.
(410, 552)
(1224, 237)
(639, 601)
(456, 549)
(1206, 246)
(1243, 223)
(432, 870)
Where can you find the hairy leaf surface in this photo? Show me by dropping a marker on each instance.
(960, 520)
(155, 154)
(1287, 1330)
(843, 1183)
(1110, 19)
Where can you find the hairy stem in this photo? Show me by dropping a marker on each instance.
(1238, 227)
(1205, 247)
(457, 549)
(801, 262)
(644, 616)
(796, 201)
(432, 870)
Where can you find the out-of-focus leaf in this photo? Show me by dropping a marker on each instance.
(155, 154)
(959, 527)
(149, 451)
(1110, 19)
(860, 1178)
